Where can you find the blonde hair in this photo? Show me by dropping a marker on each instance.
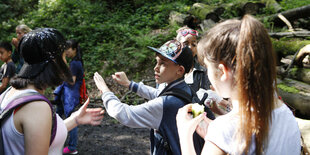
(24, 28)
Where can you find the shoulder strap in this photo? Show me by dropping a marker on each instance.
(24, 99)
(179, 93)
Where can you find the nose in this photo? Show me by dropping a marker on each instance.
(156, 67)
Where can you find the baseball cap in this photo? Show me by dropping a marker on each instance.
(177, 53)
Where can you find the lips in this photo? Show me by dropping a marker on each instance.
(156, 76)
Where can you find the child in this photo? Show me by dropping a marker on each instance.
(7, 70)
(197, 78)
(28, 130)
(68, 94)
(241, 66)
(158, 114)
(21, 30)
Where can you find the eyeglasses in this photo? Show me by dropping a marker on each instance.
(189, 31)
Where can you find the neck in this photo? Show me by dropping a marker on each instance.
(9, 60)
(29, 86)
(176, 79)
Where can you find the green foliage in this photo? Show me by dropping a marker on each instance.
(114, 35)
(288, 46)
(288, 89)
(291, 4)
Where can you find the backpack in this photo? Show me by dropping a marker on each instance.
(19, 101)
(83, 91)
(184, 96)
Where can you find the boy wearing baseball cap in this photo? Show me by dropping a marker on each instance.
(159, 113)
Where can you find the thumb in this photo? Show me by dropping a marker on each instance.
(85, 104)
(113, 77)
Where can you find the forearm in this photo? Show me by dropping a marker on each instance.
(4, 84)
(71, 122)
(187, 144)
(144, 91)
(146, 115)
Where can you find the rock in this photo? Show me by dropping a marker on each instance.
(177, 18)
(206, 24)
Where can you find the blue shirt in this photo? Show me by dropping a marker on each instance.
(77, 69)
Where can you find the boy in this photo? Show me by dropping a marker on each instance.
(159, 113)
(7, 69)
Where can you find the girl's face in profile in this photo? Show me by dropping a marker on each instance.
(70, 53)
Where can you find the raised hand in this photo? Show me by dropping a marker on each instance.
(121, 78)
(100, 83)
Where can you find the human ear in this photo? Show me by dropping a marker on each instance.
(224, 72)
(181, 70)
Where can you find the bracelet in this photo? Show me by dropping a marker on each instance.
(76, 121)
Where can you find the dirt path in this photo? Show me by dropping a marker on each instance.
(112, 138)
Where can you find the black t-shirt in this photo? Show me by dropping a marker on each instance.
(7, 70)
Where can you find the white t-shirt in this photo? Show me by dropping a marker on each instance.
(284, 134)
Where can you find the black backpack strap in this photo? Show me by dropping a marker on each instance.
(179, 93)
(22, 100)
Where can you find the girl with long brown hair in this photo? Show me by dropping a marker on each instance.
(241, 66)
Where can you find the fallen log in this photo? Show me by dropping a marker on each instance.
(204, 11)
(297, 95)
(295, 34)
(293, 14)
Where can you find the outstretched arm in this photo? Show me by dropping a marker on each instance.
(84, 115)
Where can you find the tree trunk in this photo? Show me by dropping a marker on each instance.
(292, 14)
(204, 11)
(295, 34)
(297, 95)
(300, 74)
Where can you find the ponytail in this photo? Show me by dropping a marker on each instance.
(256, 82)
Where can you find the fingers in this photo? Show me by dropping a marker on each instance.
(96, 120)
(212, 88)
(200, 117)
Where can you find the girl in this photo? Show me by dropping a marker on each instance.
(28, 129)
(68, 94)
(241, 66)
(20, 30)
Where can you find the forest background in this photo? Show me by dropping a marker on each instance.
(114, 34)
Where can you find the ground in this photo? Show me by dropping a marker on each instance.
(112, 138)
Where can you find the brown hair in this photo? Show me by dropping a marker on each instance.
(245, 47)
